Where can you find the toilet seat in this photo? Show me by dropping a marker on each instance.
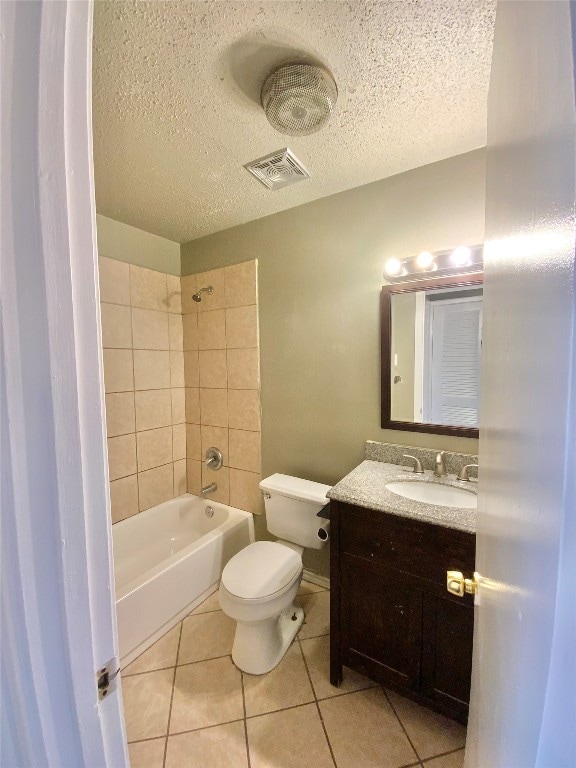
(261, 570)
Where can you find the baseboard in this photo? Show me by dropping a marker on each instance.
(314, 578)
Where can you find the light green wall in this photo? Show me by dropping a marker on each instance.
(320, 274)
(403, 347)
(125, 243)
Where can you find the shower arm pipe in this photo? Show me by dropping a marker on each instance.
(198, 295)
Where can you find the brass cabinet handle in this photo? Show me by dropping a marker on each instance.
(457, 585)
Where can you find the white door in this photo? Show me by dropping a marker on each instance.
(57, 599)
(523, 707)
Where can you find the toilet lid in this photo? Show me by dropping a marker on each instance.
(261, 569)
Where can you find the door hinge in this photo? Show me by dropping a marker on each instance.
(106, 679)
(457, 585)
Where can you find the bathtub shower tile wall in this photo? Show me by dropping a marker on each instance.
(143, 340)
(222, 377)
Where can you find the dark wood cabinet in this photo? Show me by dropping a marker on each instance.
(391, 616)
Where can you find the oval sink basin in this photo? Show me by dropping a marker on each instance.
(435, 493)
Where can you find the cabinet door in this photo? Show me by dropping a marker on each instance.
(381, 623)
(448, 629)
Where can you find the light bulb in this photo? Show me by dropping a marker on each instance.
(425, 260)
(461, 256)
(393, 267)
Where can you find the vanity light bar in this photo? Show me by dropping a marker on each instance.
(461, 260)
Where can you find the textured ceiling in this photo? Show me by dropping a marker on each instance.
(176, 111)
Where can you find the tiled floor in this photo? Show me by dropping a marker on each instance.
(186, 705)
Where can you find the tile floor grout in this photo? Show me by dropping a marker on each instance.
(316, 700)
(419, 763)
(172, 697)
(385, 692)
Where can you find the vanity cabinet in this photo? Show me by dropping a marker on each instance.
(391, 616)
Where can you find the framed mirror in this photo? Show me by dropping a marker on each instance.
(431, 341)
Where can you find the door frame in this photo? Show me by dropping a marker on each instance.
(59, 623)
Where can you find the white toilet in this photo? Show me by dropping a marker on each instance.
(260, 583)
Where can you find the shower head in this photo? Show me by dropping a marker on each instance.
(198, 296)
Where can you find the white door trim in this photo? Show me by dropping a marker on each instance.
(58, 620)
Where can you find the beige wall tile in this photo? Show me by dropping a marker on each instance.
(180, 486)
(124, 498)
(173, 286)
(118, 370)
(244, 409)
(116, 330)
(192, 405)
(217, 300)
(240, 281)
(178, 405)
(215, 437)
(150, 329)
(120, 413)
(151, 369)
(153, 409)
(190, 324)
(176, 332)
(245, 492)
(177, 378)
(179, 442)
(114, 281)
(213, 369)
(193, 445)
(188, 287)
(242, 327)
(121, 456)
(214, 407)
(221, 478)
(154, 448)
(148, 288)
(212, 329)
(244, 450)
(243, 369)
(193, 476)
(191, 369)
(155, 486)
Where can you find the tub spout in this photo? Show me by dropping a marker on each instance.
(208, 489)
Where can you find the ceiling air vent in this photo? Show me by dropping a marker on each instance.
(280, 169)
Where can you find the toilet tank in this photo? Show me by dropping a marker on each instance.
(292, 505)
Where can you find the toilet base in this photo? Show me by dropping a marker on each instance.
(259, 646)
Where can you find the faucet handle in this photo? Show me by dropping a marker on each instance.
(463, 474)
(417, 464)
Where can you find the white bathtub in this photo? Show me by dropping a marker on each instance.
(167, 560)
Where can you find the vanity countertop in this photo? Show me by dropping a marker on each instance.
(365, 486)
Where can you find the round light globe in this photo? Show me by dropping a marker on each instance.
(393, 267)
(461, 256)
(425, 260)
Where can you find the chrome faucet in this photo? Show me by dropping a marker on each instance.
(209, 489)
(440, 465)
(463, 474)
(417, 464)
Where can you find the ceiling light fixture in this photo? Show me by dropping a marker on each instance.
(461, 260)
(298, 99)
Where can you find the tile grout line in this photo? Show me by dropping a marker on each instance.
(317, 704)
(172, 697)
(385, 692)
(245, 720)
(444, 754)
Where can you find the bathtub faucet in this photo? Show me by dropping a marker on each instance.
(208, 489)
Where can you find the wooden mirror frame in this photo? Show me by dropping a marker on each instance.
(385, 363)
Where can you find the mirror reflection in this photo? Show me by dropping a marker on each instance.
(435, 351)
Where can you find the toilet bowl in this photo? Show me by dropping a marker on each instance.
(259, 583)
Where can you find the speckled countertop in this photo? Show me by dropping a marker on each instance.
(365, 486)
